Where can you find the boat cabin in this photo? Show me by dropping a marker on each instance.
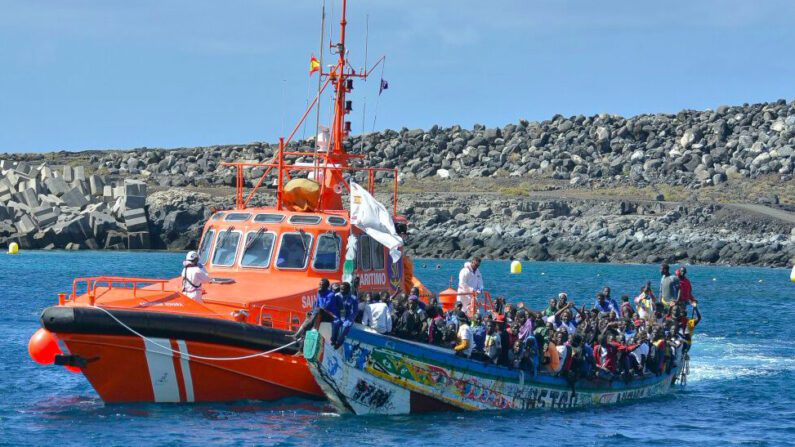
(288, 244)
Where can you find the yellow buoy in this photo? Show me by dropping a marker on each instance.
(516, 267)
(13, 248)
(792, 275)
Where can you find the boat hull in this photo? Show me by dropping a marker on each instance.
(376, 374)
(181, 366)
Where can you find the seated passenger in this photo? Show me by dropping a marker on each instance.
(604, 305)
(493, 343)
(606, 357)
(409, 324)
(349, 306)
(564, 319)
(415, 292)
(479, 334)
(466, 342)
(376, 315)
(325, 304)
(645, 302)
(435, 326)
(640, 354)
(626, 308)
(551, 360)
(551, 308)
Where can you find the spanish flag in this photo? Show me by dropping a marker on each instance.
(314, 64)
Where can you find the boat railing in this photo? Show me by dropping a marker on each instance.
(240, 202)
(110, 282)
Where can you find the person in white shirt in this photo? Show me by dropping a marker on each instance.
(466, 339)
(193, 276)
(376, 315)
(470, 283)
(640, 354)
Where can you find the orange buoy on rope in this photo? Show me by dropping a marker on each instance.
(43, 346)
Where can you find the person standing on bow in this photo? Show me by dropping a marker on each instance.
(669, 285)
(470, 283)
(193, 276)
(685, 288)
(325, 300)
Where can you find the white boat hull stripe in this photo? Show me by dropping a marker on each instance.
(160, 363)
(185, 366)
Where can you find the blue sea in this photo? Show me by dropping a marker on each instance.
(740, 391)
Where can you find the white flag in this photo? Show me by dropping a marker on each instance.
(373, 218)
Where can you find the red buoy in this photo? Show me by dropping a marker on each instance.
(74, 369)
(43, 346)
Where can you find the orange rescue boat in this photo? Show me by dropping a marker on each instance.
(142, 339)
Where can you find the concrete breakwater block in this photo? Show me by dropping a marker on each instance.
(134, 188)
(74, 198)
(25, 224)
(57, 186)
(135, 220)
(45, 216)
(5, 193)
(96, 185)
(68, 174)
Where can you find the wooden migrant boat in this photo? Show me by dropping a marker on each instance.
(380, 374)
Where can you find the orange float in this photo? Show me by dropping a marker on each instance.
(43, 346)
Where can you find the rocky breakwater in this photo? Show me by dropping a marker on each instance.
(45, 207)
(693, 148)
(594, 231)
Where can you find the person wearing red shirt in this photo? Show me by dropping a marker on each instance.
(685, 288)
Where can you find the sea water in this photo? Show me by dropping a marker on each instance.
(740, 390)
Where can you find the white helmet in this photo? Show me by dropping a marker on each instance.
(192, 256)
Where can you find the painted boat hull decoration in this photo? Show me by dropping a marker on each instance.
(377, 374)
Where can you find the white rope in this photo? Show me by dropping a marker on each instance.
(187, 355)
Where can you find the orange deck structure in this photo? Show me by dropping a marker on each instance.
(142, 339)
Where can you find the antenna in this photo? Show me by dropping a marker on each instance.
(366, 38)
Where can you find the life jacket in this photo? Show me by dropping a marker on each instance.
(186, 282)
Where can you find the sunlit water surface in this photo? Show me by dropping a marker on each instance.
(739, 391)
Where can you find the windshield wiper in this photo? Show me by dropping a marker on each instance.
(302, 233)
(225, 235)
(259, 233)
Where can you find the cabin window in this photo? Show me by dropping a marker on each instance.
(257, 249)
(269, 218)
(293, 250)
(310, 219)
(378, 255)
(327, 252)
(217, 216)
(204, 247)
(364, 252)
(337, 221)
(226, 248)
(238, 217)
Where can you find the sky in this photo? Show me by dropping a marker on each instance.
(102, 74)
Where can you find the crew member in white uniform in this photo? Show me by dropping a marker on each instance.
(193, 276)
(470, 282)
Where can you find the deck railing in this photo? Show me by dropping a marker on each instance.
(94, 282)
